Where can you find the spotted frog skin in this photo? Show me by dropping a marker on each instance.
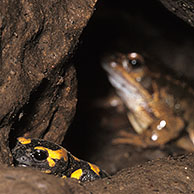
(159, 107)
(53, 159)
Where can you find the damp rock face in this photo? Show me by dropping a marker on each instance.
(37, 83)
(183, 9)
(21, 180)
(168, 175)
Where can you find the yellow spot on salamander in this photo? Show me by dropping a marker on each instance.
(53, 154)
(77, 174)
(51, 162)
(23, 140)
(95, 168)
(64, 177)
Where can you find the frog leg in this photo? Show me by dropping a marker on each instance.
(156, 92)
(129, 138)
(185, 143)
(136, 126)
(191, 136)
(190, 130)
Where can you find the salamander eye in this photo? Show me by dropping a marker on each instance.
(40, 155)
(135, 60)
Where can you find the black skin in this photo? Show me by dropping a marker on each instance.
(26, 154)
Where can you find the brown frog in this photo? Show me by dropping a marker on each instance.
(158, 107)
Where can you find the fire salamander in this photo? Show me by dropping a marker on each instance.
(53, 159)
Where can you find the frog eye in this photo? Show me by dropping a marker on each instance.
(136, 60)
(40, 155)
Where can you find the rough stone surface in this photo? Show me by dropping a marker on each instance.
(37, 84)
(182, 8)
(169, 175)
(22, 181)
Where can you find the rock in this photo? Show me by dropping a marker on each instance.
(37, 83)
(183, 9)
(23, 180)
(167, 175)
